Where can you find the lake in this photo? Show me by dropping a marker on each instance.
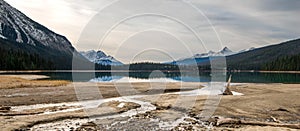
(241, 77)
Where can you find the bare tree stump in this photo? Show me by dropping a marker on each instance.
(227, 90)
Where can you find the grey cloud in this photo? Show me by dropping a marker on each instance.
(278, 5)
(240, 23)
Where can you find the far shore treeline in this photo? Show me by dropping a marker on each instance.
(281, 57)
(20, 60)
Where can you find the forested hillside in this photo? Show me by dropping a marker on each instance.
(18, 59)
(286, 63)
(284, 56)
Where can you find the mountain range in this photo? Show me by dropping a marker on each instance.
(100, 58)
(224, 52)
(283, 56)
(28, 45)
(204, 57)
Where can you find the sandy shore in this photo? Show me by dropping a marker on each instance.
(153, 106)
(27, 77)
(28, 81)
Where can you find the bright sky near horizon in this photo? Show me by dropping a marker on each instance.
(160, 30)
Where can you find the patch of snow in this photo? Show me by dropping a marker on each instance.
(245, 50)
(121, 105)
(200, 92)
(16, 95)
(237, 84)
(0, 25)
(37, 106)
(237, 93)
(3, 37)
(215, 89)
(171, 124)
(19, 37)
(64, 125)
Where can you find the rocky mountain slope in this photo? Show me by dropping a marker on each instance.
(20, 34)
(18, 27)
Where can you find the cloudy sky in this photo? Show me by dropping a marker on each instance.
(161, 30)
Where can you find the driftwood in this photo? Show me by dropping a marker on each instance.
(275, 120)
(227, 90)
(223, 121)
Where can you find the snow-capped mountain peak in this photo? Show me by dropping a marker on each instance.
(224, 52)
(245, 50)
(100, 54)
(99, 57)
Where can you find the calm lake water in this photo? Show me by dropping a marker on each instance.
(244, 77)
